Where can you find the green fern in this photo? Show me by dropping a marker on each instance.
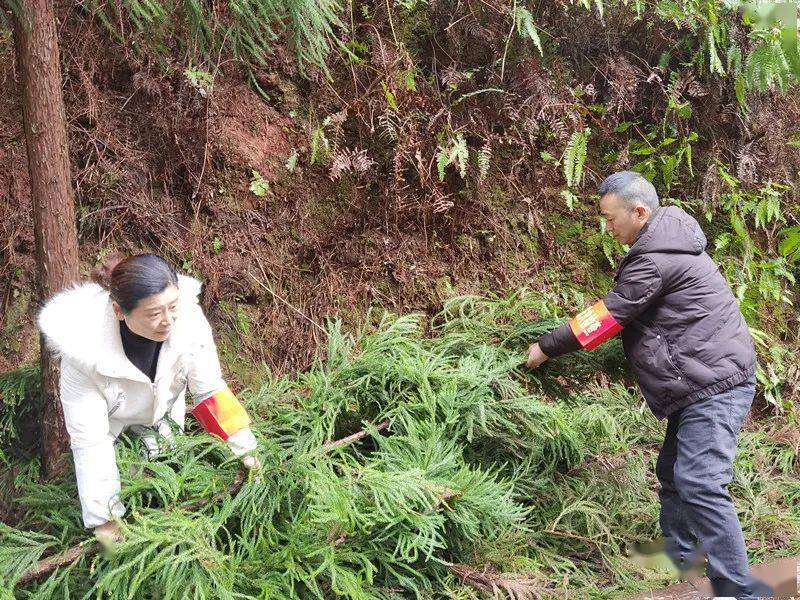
(460, 154)
(715, 64)
(790, 243)
(734, 58)
(570, 197)
(484, 161)
(587, 4)
(442, 161)
(455, 153)
(574, 157)
(717, 33)
(735, 68)
(768, 207)
(19, 402)
(766, 65)
(320, 145)
(248, 28)
(526, 27)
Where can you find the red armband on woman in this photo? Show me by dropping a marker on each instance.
(594, 326)
(221, 414)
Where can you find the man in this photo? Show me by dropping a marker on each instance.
(693, 357)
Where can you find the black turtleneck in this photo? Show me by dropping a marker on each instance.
(141, 351)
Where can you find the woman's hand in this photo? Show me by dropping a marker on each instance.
(251, 463)
(535, 356)
(108, 534)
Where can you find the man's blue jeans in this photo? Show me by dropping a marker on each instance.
(695, 466)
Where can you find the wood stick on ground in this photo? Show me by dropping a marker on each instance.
(359, 435)
(46, 565)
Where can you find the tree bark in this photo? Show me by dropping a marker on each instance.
(36, 44)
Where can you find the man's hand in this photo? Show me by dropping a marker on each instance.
(535, 356)
(108, 534)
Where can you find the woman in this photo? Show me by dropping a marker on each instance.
(130, 345)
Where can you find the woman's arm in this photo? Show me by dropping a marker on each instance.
(216, 407)
(86, 417)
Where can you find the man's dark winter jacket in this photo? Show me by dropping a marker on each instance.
(683, 332)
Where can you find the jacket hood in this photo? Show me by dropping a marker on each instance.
(672, 230)
(79, 323)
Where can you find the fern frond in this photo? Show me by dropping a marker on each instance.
(484, 161)
(767, 66)
(526, 27)
(574, 157)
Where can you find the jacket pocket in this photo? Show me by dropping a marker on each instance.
(114, 395)
(671, 357)
(655, 366)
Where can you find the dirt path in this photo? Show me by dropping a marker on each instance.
(782, 574)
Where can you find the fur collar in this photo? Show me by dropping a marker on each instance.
(79, 324)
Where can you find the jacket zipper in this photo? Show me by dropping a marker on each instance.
(155, 400)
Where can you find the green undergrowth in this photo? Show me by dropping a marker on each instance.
(19, 393)
(488, 477)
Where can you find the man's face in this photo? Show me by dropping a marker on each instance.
(153, 316)
(622, 221)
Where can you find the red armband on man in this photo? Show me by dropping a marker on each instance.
(594, 326)
(221, 414)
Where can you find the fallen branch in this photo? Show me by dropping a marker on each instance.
(359, 435)
(52, 563)
(89, 549)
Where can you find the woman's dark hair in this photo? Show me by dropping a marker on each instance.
(130, 279)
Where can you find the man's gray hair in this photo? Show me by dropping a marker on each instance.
(631, 188)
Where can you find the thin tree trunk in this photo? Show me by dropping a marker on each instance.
(36, 44)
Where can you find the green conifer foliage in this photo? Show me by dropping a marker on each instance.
(469, 460)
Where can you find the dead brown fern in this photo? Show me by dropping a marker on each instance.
(500, 585)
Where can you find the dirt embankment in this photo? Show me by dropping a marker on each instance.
(299, 198)
(160, 166)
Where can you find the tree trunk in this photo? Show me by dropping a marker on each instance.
(36, 44)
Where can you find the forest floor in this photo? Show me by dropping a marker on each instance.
(782, 574)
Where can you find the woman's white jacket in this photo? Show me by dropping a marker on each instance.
(103, 393)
